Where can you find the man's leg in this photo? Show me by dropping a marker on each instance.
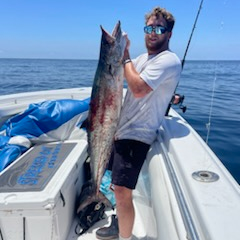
(126, 163)
(125, 211)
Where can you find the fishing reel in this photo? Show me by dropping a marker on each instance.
(177, 99)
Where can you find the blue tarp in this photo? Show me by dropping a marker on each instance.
(42, 122)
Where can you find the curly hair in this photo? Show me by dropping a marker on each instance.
(157, 11)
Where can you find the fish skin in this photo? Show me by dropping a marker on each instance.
(105, 107)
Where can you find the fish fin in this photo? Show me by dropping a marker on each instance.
(117, 30)
(106, 37)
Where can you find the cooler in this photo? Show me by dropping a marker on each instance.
(38, 192)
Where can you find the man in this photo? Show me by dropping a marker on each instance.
(152, 78)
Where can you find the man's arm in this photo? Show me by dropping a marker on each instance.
(137, 85)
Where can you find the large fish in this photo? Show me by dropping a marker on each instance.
(105, 106)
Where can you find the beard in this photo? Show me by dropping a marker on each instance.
(157, 45)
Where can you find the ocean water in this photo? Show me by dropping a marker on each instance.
(211, 90)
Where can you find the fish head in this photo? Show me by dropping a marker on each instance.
(113, 46)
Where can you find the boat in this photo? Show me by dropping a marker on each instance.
(183, 192)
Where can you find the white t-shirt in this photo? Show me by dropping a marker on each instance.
(141, 118)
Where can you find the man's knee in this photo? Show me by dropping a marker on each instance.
(122, 194)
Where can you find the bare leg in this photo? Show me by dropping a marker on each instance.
(125, 210)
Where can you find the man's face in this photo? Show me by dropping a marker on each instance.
(156, 43)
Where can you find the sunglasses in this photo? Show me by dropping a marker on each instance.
(157, 29)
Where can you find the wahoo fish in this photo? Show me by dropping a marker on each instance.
(105, 106)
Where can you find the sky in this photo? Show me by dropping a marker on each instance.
(70, 29)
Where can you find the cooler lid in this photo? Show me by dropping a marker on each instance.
(35, 169)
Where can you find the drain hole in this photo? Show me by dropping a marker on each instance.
(205, 176)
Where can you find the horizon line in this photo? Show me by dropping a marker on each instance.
(91, 59)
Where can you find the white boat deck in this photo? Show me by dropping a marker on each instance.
(170, 203)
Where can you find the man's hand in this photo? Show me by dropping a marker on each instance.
(126, 51)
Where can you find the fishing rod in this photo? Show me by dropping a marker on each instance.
(181, 97)
(190, 38)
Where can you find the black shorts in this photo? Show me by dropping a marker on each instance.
(126, 162)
